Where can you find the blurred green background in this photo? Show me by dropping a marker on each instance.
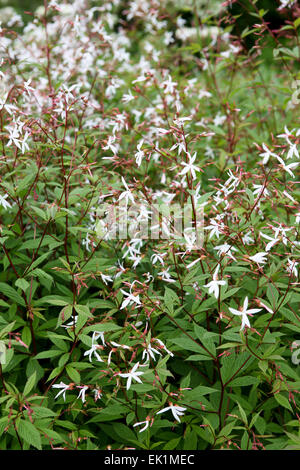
(21, 6)
(242, 15)
(204, 7)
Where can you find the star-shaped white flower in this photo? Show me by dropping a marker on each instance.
(272, 241)
(176, 411)
(91, 351)
(213, 286)
(63, 387)
(244, 312)
(131, 299)
(132, 375)
(226, 249)
(259, 258)
(150, 352)
(190, 167)
(126, 194)
(266, 154)
(288, 168)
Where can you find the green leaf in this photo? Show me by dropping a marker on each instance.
(52, 300)
(11, 293)
(172, 444)
(83, 315)
(170, 299)
(29, 384)
(48, 354)
(7, 329)
(64, 315)
(29, 433)
(22, 283)
(244, 381)
(297, 22)
(101, 327)
(283, 401)
(73, 373)
(101, 303)
(243, 414)
(39, 260)
(125, 433)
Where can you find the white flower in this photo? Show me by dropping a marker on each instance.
(106, 278)
(139, 154)
(226, 249)
(131, 299)
(176, 411)
(150, 352)
(259, 258)
(266, 154)
(288, 168)
(28, 88)
(181, 121)
(166, 276)
(82, 392)
(143, 422)
(193, 263)
(272, 241)
(162, 345)
(93, 350)
(219, 120)
(97, 394)
(141, 78)
(117, 345)
(244, 312)
(215, 228)
(292, 151)
(71, 323)
(286, 3)
(213, 286)
(126, 194)
(180, 145)
(94, 347)
(158, 257)
(128, 97)
(291, 267)
(247, 239)
(5, 204)
(96, 335)
(168, 38)
(168, 85)
(8, 107)
(63, 387)
(260, 189)
(132, 375)
(110, 146)
(190, 166)
(203, 93)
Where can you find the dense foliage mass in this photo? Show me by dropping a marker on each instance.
(115, 343)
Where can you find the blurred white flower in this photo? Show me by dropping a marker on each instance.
(259, 258)
(190, 167)
(5, 204)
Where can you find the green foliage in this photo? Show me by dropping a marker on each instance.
(151, 343)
